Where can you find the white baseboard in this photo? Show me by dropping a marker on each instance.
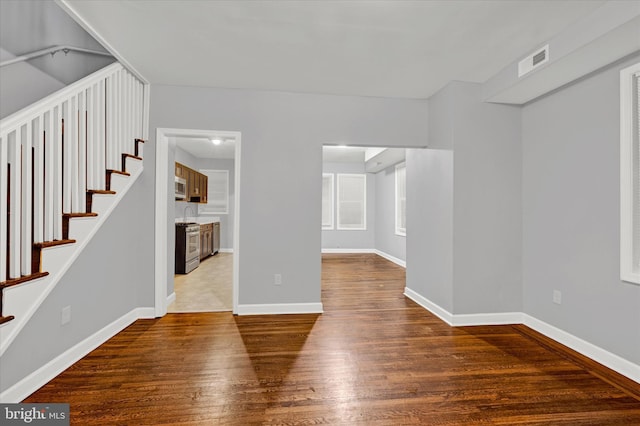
(225, 250)
(171, 298)
(365, 251)
(44, 374)
(393, 259)
(145, 313)
(435, 309)
(498, 318)
(596, 353)
(348, 250)
(280, 308)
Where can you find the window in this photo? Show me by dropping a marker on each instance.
(327, 201)
(217, 193)
(401, 199)
(630, 174)
(352, 201)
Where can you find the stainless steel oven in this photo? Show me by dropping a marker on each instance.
(187, 247)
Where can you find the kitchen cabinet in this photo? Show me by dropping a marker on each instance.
(197, 183)
(203, 181)
(206, 240)
(180, 171)
(216, 238)
(209, 239)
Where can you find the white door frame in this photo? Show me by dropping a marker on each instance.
(161, 218)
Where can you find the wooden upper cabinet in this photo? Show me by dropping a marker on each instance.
(204, 188)
(197, 183)
(180, 169)
(193, 184)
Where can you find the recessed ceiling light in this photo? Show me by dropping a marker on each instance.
(216, 141)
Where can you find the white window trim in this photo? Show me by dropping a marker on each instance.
(332, 200)
(205, 209)
(400, 231)
(629, 184)
(338, 227)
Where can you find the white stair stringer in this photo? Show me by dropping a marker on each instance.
(23, 300)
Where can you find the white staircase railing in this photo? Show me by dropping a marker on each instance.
(54, 151)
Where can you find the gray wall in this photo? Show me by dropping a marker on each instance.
(282, 136)
(16, 94)
(112, 276)
(386, 239)
(430, 225)
(430, 207)
(30, 25)
(344, 239)
(487, 240)
(463, 205)
(226, 220)
(571, 220)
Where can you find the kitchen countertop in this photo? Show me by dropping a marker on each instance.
(200, 219)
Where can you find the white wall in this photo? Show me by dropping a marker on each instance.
(571, 214)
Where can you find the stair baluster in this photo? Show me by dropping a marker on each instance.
(55, 156)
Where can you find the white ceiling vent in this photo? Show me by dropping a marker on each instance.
(533, 61)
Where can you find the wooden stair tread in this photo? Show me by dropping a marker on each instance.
(6, 319)
(100, 191)
(72, 215)
(53, 243)
(23, 279)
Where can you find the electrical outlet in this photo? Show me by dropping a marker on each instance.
(65, 315)
(557, 297)
(277, 279)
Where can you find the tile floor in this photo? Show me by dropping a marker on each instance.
(208, 288)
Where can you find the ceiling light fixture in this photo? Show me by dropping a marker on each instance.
(216, 141)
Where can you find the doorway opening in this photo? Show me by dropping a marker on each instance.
(363, 208)
(204, 168)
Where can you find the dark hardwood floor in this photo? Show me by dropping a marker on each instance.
(373, 358)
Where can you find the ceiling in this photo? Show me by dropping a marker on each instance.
(402, 49)
(374, 159)
(343, 154)
(201, 147)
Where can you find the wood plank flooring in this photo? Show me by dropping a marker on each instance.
(373, 358)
